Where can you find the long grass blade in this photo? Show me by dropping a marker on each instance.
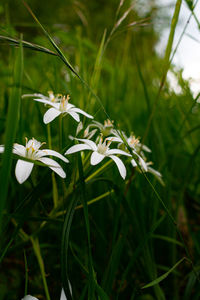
(166, 63)
(11, 128)
(162, 277)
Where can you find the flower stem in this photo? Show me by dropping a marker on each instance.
(49, 135)
(98, 171)
(55, 189)
(60, 132)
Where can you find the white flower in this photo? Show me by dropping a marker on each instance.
(61, 107)
(31, 151)
(51, 99)
(135, 146)
(100, 151)
(87, 134)
(106, 128)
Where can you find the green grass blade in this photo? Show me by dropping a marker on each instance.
(26, 44)
(26, 274)
(66, 62)
(65, 246)
(114, 262)
(166, 63)
(162, 277)
(61, 55)
(92, 280)
(11, 128)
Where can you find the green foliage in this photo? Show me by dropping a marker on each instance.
(105, 237)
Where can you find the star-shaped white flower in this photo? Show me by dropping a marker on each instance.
(100, 151)
(31, 151)
(135, 146)
(52, 98)
(61, 107)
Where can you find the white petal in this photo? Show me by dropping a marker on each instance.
(29, 297)
(23, 170)
(133, 162)
(145, 148)
(143, 164)
(33, 95)
(154, 172)
(74, 115)
(2, 148)
(90, 143)
(63, 297)
(91, 133)
(55, 105)
(79, 128)
(54, 153)
(80, 111)
(96, 158)
(117, 151)
(69, 106)
(50, 115)
(77, 148)
(120, 165)
(19, 149)
(114, 139)
(99, 125)
(53, 165)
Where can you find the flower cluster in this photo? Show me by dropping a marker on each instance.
(31, 152)
(101, 147)
(103, 135)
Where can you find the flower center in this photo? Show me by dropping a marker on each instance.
(133, 142)
(30, 152)
(102, 147)
(63, 103)
(32, 146)
(108, 125)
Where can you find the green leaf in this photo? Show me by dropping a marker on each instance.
(162, 277)
(11, 128)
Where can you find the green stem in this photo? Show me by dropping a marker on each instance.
(36, 248)
(49, 135)
(92, 280)
(26, 274)
(54, 185)
(60, 132)
(98, 171)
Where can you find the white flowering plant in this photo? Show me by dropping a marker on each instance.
(52, 194)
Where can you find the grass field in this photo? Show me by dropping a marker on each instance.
(107, 208)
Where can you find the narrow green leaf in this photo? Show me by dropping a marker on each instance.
(162, 277)
(26, 274)
(166, 64)
(101, 292)
(11, 128)
(61, 55)
(167, 239)
(65, 246)
(26, 44)
(92, 280)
